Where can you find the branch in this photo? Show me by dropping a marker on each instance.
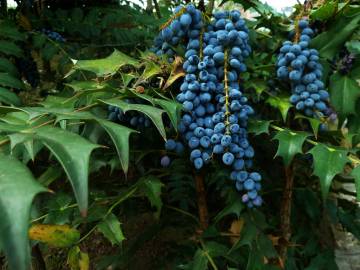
(157, 8)
(285, 211)
(201, 197)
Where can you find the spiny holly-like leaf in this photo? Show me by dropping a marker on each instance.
(356, 174)
(7, 66)
(328, 162)
(10, 48)
(8, 97)
(281, 103)
(110, 227)
(151, 187)
(151, 69)
(73, 153)
(106, 66)
(329, 42)
(8, 80)
(120, 136)
(18, 187)
(54, 235)
(314, 123)
(79, 86)
(258, 126)
(172, 108)
(344, 93)
(290, 144)
(324, 12)
(234, 208)
(154, 114)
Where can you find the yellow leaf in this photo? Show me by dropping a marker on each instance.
(54, 235)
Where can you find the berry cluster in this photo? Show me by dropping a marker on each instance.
(186, 24)
(135, 119)
(300, 65)
(215, 114)
(28, 69)
(53, 35)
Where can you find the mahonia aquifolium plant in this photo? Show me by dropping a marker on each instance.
(216, 112)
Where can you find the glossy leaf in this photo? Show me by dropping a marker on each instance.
(110, 228)
(18, 188)
(8, 97)
(73, 152)
(258, 126)
(120, 136)
(280, 103)
(106, 66)
(344, 92)
(328, 162)
(151, 187)
(9, 81)
(290, 144)
(329, 42)
(154, 114)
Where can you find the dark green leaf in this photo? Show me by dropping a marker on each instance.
(9, 81)
(106, 66)
(17, 190)
(258, 126)
(280, 103)
(10, 48)
(151, 187)
(73, 152)
(8, 97)
(110, 227)
(344, 93)
(154, 114)
(329, 42)
(290, 144)
(328, 162)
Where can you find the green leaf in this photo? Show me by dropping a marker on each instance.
(234, 208)
(259, 126)
(314, 123)
(324, 12)
(8, 97)
(329, 42)
(356, 174)
(9, 30)
(111, 229)
(9, 81)
(344, 92)
(120, 136)
(353, 46)
(281, 103)
(290, 143)
(154, 114)
(151, 187)
(73, 153)
(106, 66)
(7, 66)
(151, 69)
(10, 48)
(328, 162)
(79, 86)
(200, 260)
(172, 108)
(18, 188)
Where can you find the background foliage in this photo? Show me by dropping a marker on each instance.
(90, 193)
